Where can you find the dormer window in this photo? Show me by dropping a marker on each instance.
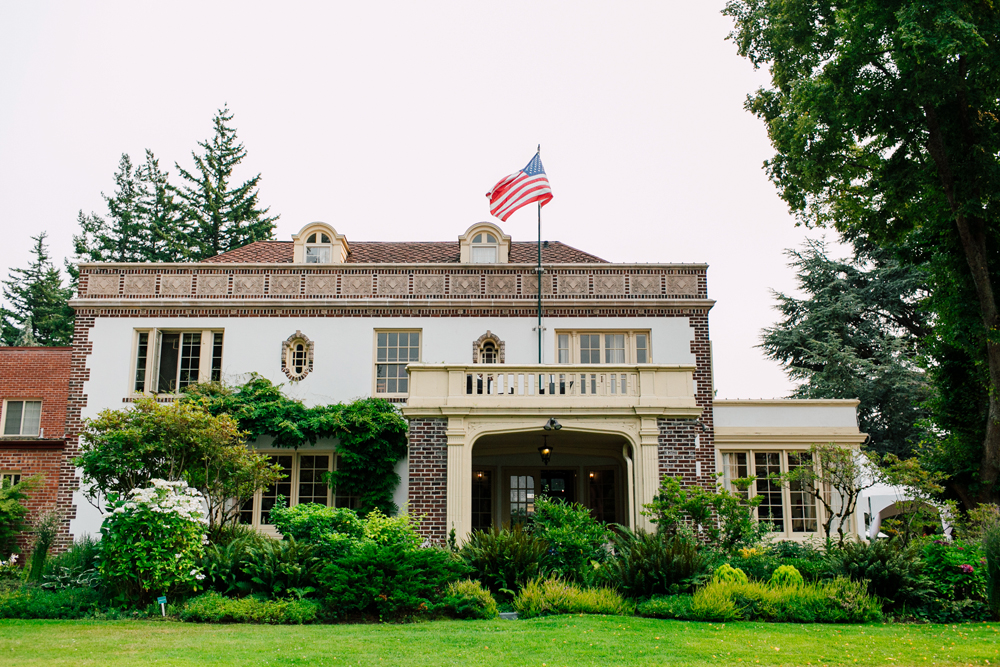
(488, 353)
(319, 250)
(484, 248)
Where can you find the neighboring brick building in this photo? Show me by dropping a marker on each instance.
(34, 392)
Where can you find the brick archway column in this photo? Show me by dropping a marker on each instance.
(428, 474)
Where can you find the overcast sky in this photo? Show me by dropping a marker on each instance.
(390, 120)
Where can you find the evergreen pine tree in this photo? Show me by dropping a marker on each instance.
(36, 308)
(221, 216)
(164, 238)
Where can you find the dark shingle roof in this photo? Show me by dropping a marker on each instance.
(406, 252)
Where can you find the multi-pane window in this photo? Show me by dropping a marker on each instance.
(522, 497)
(8, 478)
(168, 361)
(488, 353)
(393, 351)
(789, 508)
(603, 347)
(485, 249)
(305, 481)
(318, 249)
(22, 417)
(601, 488)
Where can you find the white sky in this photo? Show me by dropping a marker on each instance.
(390, 120)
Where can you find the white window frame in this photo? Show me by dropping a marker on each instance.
(206, 355)
(630, 344)
(482, 244)
(376, 362)
(12, 476)
(786, 499)
(325, 242)
(20, 431)
(293, 497)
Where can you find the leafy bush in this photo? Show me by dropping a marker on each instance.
(153, 541)
(726, 573)
(892, 572)
(666, 606)
(13, 511)
(953, 611)
(790, 549)
(74, 568)
(469, 599)
(224, 563)
(543, 597)
(34, 602)
(214, 608)
(956, 569)
(9, 569)
(575, 538)
(786, 575)
(648, 563)
(758, 564)
(45, 530)
(398, 531)
(311, 522)
(279, 567)
(504, 559)
(387, 582)
(991, 545)
(811, 569)
(838, 601)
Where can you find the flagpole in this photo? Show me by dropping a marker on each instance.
(539, 274)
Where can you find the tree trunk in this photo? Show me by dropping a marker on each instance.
(972, 236)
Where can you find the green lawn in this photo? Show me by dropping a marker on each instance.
(554, 641)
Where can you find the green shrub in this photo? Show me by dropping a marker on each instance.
(224, 563)
(544, 597)
(214, 608)
(810, 569)
(81, 556)
(955, 569)
(666, 606)
(279, 567)
(758, 564)
(311, 522)
(648, 564)
(152, 542)
(786, 549)
(838, 601)
(13, 511)
(504, 559)
(991, 545)
(45, 530)
(786, 575)
(10, 570)
(398, 531)
(575, 538)
(727, 573)
(469, 599)
(892, 571)
(387, 582)
(34, 602)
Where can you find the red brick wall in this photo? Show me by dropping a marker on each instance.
(38, 373)
(678, 454)
(428, 463)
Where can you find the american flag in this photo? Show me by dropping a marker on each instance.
(517, 190)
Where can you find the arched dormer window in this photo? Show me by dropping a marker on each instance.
(488, 353)
(485, 248)
(484, 243)
(319, 250)
(297, 356)
(319, 243)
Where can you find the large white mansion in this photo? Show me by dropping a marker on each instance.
(448, 330)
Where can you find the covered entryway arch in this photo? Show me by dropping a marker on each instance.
(588, 467)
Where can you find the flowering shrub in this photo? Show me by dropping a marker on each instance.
(9, 568)
(957, 570)
(152, 542)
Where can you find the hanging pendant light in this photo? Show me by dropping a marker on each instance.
(545, 451)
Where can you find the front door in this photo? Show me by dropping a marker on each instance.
(558, 485)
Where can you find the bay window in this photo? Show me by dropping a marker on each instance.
(791, 509)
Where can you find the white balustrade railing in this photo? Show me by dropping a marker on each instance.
(601, 383)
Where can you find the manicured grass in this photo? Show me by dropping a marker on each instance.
(552, 641)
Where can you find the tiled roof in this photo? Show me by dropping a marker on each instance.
(416, 252)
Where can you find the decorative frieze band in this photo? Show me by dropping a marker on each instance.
(420, 284)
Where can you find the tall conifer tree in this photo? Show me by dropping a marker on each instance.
(36, 311)
(221, 216)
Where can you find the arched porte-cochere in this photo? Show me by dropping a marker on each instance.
(590, 468)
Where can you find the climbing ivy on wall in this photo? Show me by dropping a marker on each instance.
(371, 433)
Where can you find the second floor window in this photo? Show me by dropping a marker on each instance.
(602, 347)
(22, 417)
(393, 351)
(485, 248)
(167, 361)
